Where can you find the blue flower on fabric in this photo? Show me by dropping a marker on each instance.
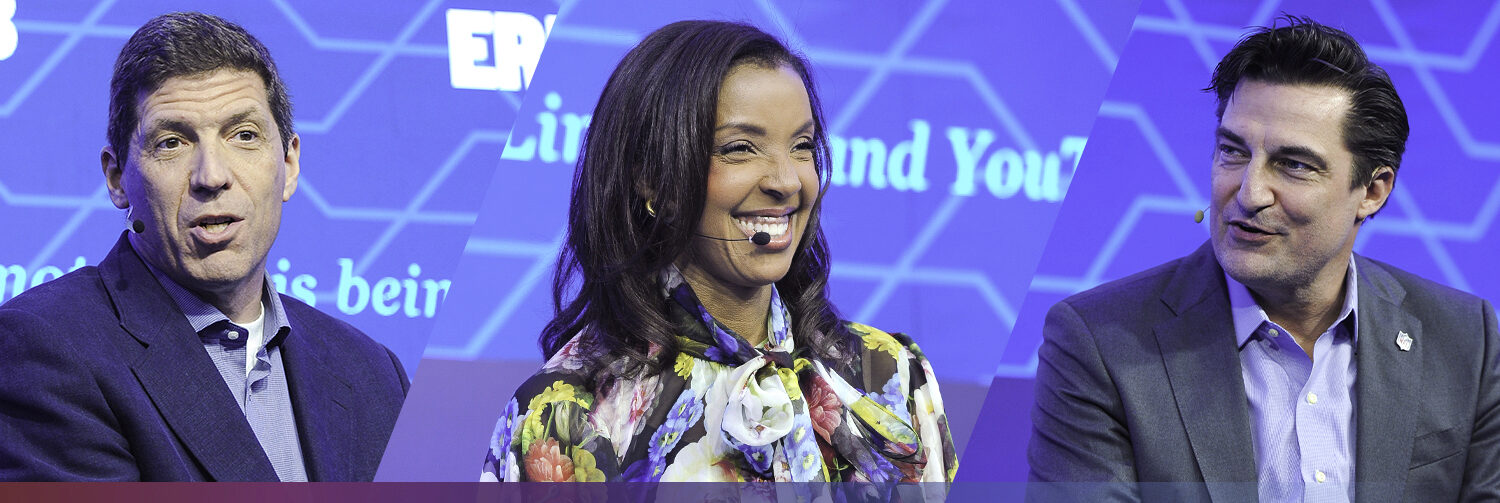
(504, 429)
(644, 470)
(874, 466)
(684, 414)
(495, 460)
(802, 451)
(714, 354)
(778, 319)
(685, 411)
(726, 340)
(759, 457)
(893, 396)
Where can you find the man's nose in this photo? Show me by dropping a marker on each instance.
(211, 171)
(1255, 191)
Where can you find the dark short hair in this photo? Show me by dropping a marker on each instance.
(1308, 53)
(185, 44)
(652, 133)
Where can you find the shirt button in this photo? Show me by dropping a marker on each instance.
(1275, 332)
(234, 336)
(1312, 398)
(1320, 476)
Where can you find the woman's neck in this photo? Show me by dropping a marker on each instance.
(742, 309)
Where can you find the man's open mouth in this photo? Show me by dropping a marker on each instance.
(215, 224)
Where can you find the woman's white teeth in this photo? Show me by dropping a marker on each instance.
(774, 226)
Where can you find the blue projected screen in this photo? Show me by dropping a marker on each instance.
(951, 151)
(398, 140)
(946, 167)
(439, 138)
(1146, 171)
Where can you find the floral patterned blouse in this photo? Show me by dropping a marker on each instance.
(727, 412)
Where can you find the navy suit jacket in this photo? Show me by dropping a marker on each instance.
(102, 378)
(1139, 389)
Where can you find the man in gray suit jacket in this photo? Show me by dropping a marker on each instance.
(1273, 363)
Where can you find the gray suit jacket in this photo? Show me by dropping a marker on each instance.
(1139, 393)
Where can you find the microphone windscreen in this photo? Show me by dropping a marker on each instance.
(138, 226)
(761, 238)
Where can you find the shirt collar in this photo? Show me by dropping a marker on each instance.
(1248, 316)
(201, 314)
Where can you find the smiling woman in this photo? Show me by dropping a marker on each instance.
(692, 338)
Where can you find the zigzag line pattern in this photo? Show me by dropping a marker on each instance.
(384, 53)
(387, 50)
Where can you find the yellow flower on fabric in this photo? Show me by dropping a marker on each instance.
(789, 380)
(558, 392)
(584, 467)
(877, 340)
(684, 365)
(800, 363)
(883, 421)
(532, 428)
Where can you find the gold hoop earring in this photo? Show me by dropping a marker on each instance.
(649, 209)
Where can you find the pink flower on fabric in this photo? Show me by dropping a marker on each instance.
(545, 462)
(640, 400)
(824, 407)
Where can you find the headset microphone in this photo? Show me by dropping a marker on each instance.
(1198, 216)
(136, 225)
(760, 238)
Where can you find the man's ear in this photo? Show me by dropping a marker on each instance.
(293, 168)
(1377, 191)
(114, 170)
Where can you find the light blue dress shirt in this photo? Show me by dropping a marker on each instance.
(262, 393)
(1301, 408)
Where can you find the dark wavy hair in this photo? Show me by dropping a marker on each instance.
(1308, 53)
(652, 133)
(184, 44)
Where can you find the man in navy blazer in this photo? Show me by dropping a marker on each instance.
(1272, 363)
(175, 359)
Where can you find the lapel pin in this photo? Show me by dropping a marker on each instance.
(1403, 341)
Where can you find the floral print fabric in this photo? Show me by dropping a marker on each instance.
(727, 411)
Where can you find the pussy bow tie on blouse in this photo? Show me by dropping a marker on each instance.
(763, 405)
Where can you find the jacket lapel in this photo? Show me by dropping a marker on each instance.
(1386, 387)
(178, 375)
(1203, 368)
(320, 400)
